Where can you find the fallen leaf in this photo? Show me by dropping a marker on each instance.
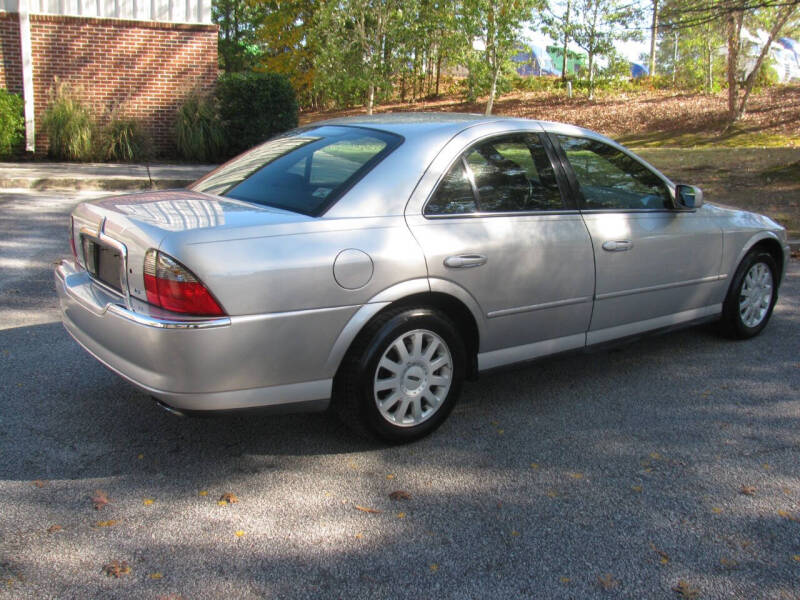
(796, 557)
(786, 491)
(534, 466)
(239, 532)
(359, 536)
(147, 501)
(747, 490)
(787, 515)
(607, 581)
(140, 457)
(576, 475)
(390, 476)
(434, 567)
(116, 568)
(54, 528)
(400, 495)
(202, 493)
(106, 523)
(655, 455)
(100, 499)
(728, 563)
(228, 498)
(155, 576)
(637, 488)
(663, 557)
(685, 590)
(552, 494)
(766, 466)
(716, 510)
(401, 515)
(515, 533)
(367, 509)
(39, 483)
(501, 431)
(564, 579)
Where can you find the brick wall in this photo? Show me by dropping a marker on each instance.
(132, 68)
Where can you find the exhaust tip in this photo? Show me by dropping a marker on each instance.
(169, 409)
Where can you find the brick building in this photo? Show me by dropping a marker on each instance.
(137, 58)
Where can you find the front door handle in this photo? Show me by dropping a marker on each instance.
(464, 261)
(617, 245)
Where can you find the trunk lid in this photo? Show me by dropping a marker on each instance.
(115, 232)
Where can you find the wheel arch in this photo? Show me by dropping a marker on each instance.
(452, 300)
(767, 241)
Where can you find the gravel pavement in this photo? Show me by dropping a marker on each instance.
(616, 474)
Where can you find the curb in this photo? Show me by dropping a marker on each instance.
(115, 184)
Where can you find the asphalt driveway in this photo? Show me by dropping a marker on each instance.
(669, 468)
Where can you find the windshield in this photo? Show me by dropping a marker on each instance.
(305, 171)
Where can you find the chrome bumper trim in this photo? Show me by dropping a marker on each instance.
(65, 270)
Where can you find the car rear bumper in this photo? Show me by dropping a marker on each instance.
(204, 364)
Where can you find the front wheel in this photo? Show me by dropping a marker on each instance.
(403, 375)
(752, 296)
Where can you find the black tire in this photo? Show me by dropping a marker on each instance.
(731, 324)
(353, 390)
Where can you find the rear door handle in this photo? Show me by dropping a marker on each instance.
(464, 261)
(617, 245)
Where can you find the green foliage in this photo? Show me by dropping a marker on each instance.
(69, 125)
(239, 21)
(124, 140)
(198, 130)
(254, 107)
(12, 122)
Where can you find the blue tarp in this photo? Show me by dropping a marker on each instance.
(638, 70)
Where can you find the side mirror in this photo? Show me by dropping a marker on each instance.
(688, 197)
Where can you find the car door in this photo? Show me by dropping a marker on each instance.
(497, 226)
(655, 265)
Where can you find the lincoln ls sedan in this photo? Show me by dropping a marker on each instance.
(372, 264)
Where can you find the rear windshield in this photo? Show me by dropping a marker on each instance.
(305, 171)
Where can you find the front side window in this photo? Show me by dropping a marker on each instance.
(610, 179)
(509, 173)
(305, 172)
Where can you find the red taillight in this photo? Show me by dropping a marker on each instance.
(72, 238)
(172, 286)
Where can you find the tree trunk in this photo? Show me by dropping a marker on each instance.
(675, 59)
(780, 21)
(591, 75)
(566, 43)
(734, 32)
(493, 91)
(653, 32)
(709, 65)
(438, 70)
(371, 97)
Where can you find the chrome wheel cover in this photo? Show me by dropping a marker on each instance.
(412, 378)
(755, 296)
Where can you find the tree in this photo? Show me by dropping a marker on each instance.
(653, 36)
(598, 24)
(559, 27)
(498, 24)
(238, 22)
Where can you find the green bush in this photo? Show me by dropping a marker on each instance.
(198, 130)
(12, 122)
(69, 125)
(254, 107)
(124, 139)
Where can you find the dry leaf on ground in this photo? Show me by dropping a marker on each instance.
(110, 523)
(400, 495)
(607, 581)
(366, 509)
(116, 568)
(663, 557)
(100, 499)
(747, 490)
(39, 483)
(787, 515)
(685, 590)
(228, 498)
(155, 576)
(54, 528)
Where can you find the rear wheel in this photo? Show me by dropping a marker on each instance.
(751, 297)
(402, 376)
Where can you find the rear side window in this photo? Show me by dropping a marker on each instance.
(506, 174)
(305, 172)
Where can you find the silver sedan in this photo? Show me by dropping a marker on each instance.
(376, 262)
